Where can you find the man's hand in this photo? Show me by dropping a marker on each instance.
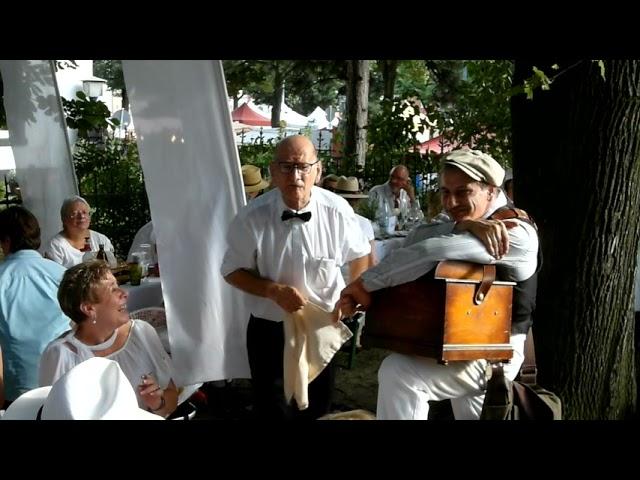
(353, 295)
(408, 187)
(287, 297)
(492, 233)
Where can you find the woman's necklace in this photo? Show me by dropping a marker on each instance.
(102, 346)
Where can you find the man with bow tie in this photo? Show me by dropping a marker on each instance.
(286, 249)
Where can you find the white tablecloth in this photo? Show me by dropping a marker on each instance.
(147, 294)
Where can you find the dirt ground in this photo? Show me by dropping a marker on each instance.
(358, 387)
(355, 388)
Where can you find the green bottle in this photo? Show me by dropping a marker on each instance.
(135, 271)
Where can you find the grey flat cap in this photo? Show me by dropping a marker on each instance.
(477, 165)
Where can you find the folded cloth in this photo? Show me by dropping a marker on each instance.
(311, 339)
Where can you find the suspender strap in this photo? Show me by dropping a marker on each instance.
(509, 212)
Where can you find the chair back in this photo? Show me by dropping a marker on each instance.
(157, 318)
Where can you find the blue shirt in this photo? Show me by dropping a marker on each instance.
(30, 317)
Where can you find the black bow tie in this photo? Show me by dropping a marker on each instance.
(288, 214)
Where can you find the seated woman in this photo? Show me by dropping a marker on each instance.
(66, 247)
(90, 296)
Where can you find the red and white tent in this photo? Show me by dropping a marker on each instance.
(437, 145)
(247, 115)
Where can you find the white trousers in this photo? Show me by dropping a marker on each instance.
(407, 383)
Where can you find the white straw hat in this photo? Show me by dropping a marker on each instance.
(349, 187)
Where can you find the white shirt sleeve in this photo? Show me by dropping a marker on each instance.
(409, 263)
(162, 365)
(241, 247)
(57, 359)
(54, 251)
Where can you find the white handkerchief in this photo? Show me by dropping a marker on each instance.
(311, 339)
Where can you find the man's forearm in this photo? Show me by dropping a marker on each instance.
(409, 263)
(357, 266)
(251, 283)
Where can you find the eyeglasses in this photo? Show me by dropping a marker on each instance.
(73, 215)
(303, 168)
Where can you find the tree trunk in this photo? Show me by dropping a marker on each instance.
(125, 99)
(389, 75)
(576, 158)
(355, 140)
(278, 98)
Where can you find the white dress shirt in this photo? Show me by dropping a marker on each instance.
(385, 192)
(305, 255)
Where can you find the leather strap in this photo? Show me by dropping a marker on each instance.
(488, 277)
(510, 212)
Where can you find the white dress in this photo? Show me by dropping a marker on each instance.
(141, 354)
(61, 251)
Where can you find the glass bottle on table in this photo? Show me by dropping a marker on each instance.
(87, 245)
(101, 255)
(146, 258)
(88, 254)
(135, 271)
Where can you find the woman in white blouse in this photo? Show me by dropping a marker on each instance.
(66, 247)
(89, 294)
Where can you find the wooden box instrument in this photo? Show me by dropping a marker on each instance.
(459, 313)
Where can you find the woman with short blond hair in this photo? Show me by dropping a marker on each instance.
(89, 294)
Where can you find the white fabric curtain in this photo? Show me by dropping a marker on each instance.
(38, 137)
(194, 184)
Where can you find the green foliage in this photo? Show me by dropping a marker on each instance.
(87, 114)
(62, 64)
(110, 178)
(111, 71)
(308, 83)
(392, 139)
(258, 154)
(367, 208)
(414, 80)
(477, 111)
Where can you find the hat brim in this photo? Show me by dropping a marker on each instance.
(26, 406)
(473, 173)
(353, 195)
(255, 188)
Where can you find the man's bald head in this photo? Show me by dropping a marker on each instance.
(398, 178)
(296, 148)
(294, 170)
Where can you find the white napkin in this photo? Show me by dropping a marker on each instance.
(311, 339)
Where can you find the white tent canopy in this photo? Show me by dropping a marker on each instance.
(293, 118)
(318, 119)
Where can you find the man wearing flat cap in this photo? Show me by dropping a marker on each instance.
(469, 186)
